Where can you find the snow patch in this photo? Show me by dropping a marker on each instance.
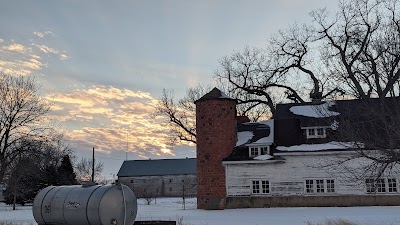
(264, 140)
(244, 137)
(316, 111)
(319, 147)
(263, 157)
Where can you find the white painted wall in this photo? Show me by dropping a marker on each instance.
(287, 177)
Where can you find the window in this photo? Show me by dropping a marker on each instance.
(319, 186)
(264, 150)
(381, 185)
(260, 187)
(316, 132)
(265, 186)
(256, 187)
(369, 183)
(392, 184)
(253, 151)
(131, 181)
(309, 186)
(256, 151)
(330, 186)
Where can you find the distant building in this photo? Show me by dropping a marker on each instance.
(160, 178)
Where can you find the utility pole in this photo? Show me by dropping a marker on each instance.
(93, 166)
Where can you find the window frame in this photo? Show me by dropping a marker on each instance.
(258, 150)
(260, 187)
(318, 186)
(382, 186)
(314, 132)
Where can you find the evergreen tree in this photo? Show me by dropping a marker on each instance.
(66, 174)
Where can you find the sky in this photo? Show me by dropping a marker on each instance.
(103, 64)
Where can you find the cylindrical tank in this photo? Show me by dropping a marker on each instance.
(85, 205)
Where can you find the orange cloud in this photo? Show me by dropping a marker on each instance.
(111, 118)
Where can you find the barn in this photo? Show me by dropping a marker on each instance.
(301, 157)
(160, 177)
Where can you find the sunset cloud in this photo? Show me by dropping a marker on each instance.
(15, 48)
(43, 34)
(111, 118)
(23, 59)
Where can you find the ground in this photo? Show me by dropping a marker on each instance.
(171, 209)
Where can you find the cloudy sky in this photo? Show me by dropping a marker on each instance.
(104, 63)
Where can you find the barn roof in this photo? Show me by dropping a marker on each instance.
(159, 167)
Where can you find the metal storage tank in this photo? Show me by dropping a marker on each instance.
(85, 205)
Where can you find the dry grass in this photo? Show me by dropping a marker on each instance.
(333, 222)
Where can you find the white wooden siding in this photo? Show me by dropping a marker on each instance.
(288, 178)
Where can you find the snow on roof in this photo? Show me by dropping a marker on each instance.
(319, 147)
(316, 111)
(270, 138)
(263, 157)
(244, 137)
(256, 133)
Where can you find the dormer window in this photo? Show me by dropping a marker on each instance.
(258, 150)
(316, 132)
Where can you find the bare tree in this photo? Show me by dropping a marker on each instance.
(21, 112)
(180, 114)
(84, 169)
(362, 46)
(373, 125)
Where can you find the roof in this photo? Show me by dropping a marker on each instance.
(308, 113)
(159, 167)
(251, 134)
(215, 93)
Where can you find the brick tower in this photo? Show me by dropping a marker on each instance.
(216, 137)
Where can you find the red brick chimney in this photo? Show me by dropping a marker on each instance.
(216, 137)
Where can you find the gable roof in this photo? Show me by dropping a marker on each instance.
(159, 167)
(215, 93)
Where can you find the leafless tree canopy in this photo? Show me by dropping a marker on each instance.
(21, 112)
(354, 53)
(84, 170)
(375, 130)
(362, 46)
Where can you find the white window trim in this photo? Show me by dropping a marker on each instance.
(260, 187)
(259, 152)
(314, 186)
(386, 183)
(315, 132)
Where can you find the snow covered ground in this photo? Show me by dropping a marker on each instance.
(171, 209)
